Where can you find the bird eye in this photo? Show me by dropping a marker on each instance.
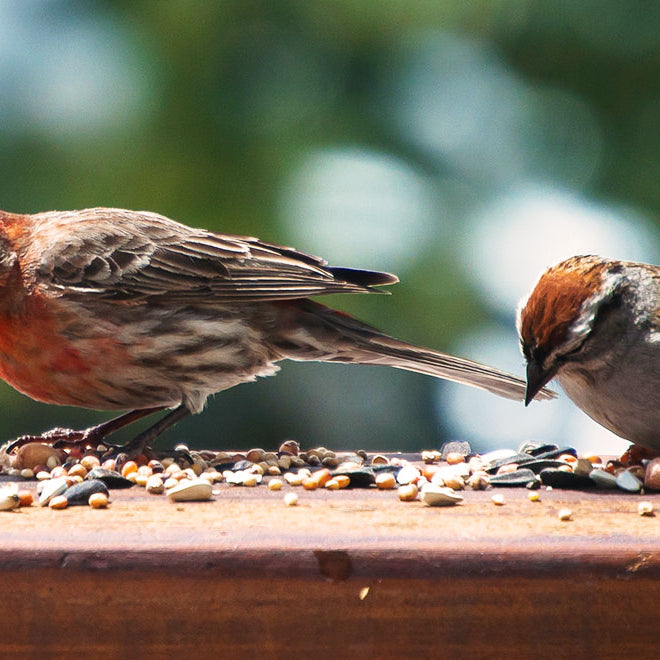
(605, 309)
(561, 358)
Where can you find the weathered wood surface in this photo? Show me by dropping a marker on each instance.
(245, 575)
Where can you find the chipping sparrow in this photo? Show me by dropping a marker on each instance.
(594, 324)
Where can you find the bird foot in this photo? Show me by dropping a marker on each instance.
(142, 443)
(94, 436)
(635, 454)
(132, 449)
(58, 438)
(138, 447)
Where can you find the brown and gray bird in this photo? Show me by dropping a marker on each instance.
(123, 310)
(594, 325)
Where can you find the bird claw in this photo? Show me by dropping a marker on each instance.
(131, 449)
(20, 441)
(635, 454)
(85, 438)
(177, 455)
(96, 435)
(56, 438)
(134, 449)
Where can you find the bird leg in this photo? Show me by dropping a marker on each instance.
(60, 437)
(141, 443)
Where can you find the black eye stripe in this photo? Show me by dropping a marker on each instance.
(525, 350)
(539, 355)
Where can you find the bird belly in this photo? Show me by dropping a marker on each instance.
(109, 357)
(624, 397)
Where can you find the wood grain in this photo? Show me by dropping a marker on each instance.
(345, 574)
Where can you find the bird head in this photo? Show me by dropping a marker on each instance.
(570, 305)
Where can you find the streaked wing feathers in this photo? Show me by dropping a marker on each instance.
(127, 255)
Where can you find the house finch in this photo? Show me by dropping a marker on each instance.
(123, 310)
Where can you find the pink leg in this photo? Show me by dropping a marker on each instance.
(60, 437)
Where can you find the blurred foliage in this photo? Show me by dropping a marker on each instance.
(234, 93)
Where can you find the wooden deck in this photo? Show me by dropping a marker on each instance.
(345, 574)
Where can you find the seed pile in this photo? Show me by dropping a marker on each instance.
(75, 477)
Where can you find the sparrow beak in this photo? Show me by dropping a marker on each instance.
(536, 379)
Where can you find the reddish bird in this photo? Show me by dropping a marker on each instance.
(123, 310)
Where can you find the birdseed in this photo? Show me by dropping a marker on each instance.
(291, 499)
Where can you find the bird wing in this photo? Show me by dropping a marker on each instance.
(129, 255)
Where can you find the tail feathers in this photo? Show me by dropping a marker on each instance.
(366, 278)
(337, 337)
(440, 365)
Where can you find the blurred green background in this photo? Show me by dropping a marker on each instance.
(463, 145)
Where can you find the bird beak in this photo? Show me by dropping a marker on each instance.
(536, 379)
